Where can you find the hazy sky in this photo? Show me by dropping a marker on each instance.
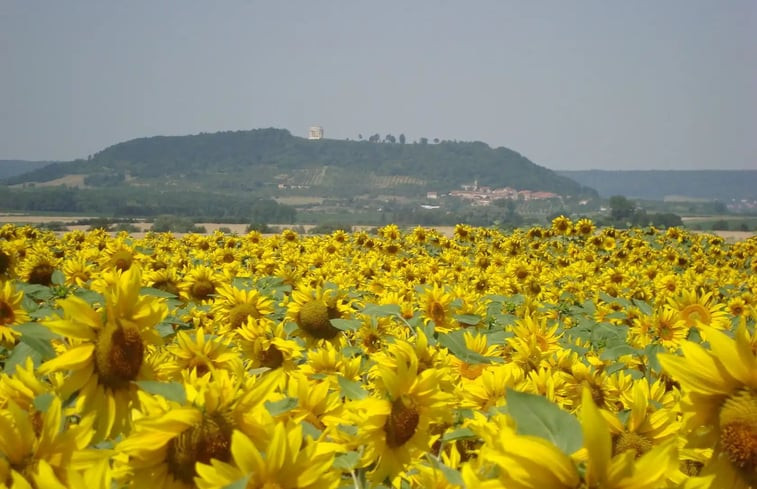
(570, 84)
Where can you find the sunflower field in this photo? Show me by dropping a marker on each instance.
(551, 357)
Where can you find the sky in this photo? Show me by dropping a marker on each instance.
(572, 85)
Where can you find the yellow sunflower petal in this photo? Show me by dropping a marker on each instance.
(74, 359)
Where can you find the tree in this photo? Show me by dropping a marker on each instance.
(424, 140)
(436, 140)
(390, 139)
(360, 137)
(375, 138)
(621, 208)
(402, 139)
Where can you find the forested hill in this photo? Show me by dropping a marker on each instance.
(249, 160)
(11, 168)
(723, 185)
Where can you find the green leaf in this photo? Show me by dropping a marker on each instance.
(644, 307)
(469, 319)
(20, 353)
(452, 475)
(537, 416)
(38, 337)
(346, 461)
(346, 324)
(90, 296)
(156, 292)
(58, 278)
(239, 484)
(164, 329)
(173, 391)
(382, 310)
(308, 430)
(617, 351)
(352, 389)
(42, 401)
(459, 434)
(281, 406)
(455, 343)
(651, 352)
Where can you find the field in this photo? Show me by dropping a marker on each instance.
(562, 356)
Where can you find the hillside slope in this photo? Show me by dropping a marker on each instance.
(723, 185)
(12, 168)
(256, 160)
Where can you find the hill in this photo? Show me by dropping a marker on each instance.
(12, 168)
(723, 185)
(264, 159)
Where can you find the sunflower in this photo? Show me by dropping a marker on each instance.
(7, 260)
(436, 306)
(645, 427)
(394, 427)
(285, 460)
(266, 345)
(700, 308)
(38, 265)
(509, 459)
(233, 307)
(719, 388)
(168, 439)
(165, 279)
(202, 353)
(562, 225)
(105, 350)
(30, 438)
(200, 283)
(78, 271)
(313, 308)
(117, 255)
(11, 312)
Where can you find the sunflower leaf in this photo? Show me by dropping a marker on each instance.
(239, 484)
(346, 461)
(172, 391)
(458, 434)
(346, 324)
(20, 353)
(469, 319)
(156, 292)
(352, 389)
(537, 416)
(281, 406)
(382, 310)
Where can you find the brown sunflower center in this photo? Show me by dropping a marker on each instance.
(119, 353)
(271, 358)
(6, 313)
(202, 289)
(42, 274)
(437, 313)
(315, 319)
(5, 263)
(241, 312)
(401, 424)
(738, 429)
(211, 439)
(639, 444)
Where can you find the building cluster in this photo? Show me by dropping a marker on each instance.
(481, 195)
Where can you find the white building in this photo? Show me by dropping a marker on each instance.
(315, 132)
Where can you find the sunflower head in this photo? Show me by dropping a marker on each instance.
(119, 353)
(738, 429)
